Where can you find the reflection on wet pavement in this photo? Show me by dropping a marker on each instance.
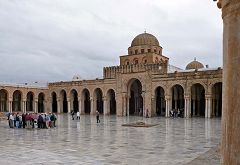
(172, 141)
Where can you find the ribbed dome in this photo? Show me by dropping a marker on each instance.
(145, 39)
(194, 65)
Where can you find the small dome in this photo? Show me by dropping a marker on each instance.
(145, 39)
(76, 78)
(194, 65)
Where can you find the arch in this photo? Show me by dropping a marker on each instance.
(98, 100)
(74, 100)
(135, 61)
(177, 97)
(41, 100)
(63, 98)
(144, 60)
(3, 100)
(160, 101)
(30, 101)
(54, 102)
(197, 100)
(126, 62)
(17, 101)
(135, 101)
(86, 102)
(217, 100)
(111, 102)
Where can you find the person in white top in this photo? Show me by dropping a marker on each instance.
(11, 121)
(78, 115)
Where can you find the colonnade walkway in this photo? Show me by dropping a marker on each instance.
(172, 141)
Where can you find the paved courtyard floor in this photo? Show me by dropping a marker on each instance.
(172, 141)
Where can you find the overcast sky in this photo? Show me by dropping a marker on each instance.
(53, 40)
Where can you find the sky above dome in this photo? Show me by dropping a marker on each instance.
(53, 40)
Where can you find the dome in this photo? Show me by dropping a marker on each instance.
(145, 39)
(194, 65)
(76, 78)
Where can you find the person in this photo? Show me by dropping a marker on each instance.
(178, 113)
(147, 114)
(72, 113)
(55, 118)
(17, 120)
(97, 116)
(78, 115)
(11, 120)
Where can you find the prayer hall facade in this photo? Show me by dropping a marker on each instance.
(143, 84)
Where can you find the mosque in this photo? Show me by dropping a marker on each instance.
(143, 84)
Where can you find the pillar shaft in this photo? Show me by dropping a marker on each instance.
(231, 82)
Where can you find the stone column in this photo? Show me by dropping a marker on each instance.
(93, 111)
(208, 108)
(187, 109)
(10, 105)
(36, 106)
(59, 105)
(124, 98)
(81, 110)
(167, 105)
(231, 82)
(23, 106)
(144, 108)
(69, 105)
(106, 106)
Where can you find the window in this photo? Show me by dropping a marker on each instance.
(136, 51)
(130, 52)
(136, 62)
(127, 63)
(155, 51)
(142, 50)
(149, 50)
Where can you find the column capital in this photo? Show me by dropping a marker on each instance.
(167, 97)
(207, 96)
(186, 96)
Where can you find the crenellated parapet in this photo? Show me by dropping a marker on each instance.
(111, 72)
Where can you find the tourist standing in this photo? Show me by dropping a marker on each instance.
(97, 117)
(17, 120)
(78, 115)
(11, 120)
(72, 113)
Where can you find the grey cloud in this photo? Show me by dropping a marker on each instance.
(42, 40)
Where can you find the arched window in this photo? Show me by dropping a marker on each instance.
(135, 62)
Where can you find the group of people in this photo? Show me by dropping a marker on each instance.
(78, 115)
(176, 113)
(32, 120)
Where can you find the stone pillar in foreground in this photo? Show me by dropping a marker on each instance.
(230, 144)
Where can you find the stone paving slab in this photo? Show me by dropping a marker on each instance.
(211, 157)
(172, 141)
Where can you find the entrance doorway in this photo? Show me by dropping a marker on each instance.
(135, 99)
(160, 102)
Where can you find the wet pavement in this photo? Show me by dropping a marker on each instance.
(172, 141)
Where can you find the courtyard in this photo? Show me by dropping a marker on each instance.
(172, 141)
